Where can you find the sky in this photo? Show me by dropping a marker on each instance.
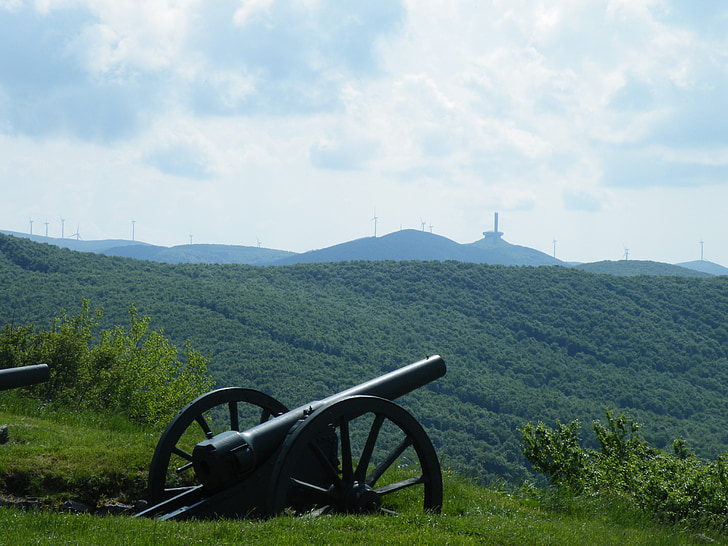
(594, 128)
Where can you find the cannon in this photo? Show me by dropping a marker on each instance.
(353, 452)
(23, 376)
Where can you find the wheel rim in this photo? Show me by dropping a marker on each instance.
(361, 455)
(233, 408)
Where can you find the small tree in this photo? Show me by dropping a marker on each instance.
(137, 373)
(556, 453)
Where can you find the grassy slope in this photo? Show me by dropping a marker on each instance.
(90, 458)
(74, 457)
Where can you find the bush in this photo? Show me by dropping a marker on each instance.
(135, 372)
(672, 488)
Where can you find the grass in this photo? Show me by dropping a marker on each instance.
(92, 458)
(472, 515)
(83, 456)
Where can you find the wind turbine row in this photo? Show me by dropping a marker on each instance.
(375, 219)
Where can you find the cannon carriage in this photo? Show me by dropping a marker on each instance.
(237, 452)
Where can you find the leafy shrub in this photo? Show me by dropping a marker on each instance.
(556, 453)
(673, 488)
(135, 372)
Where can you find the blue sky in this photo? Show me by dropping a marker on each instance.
(601, 124)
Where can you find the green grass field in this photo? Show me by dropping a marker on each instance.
(95, 459)
(497, 520)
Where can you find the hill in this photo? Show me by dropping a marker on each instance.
(501, 252)
(205, 254)
(521, 343)
(706, 267)
(80, 245)
(411, 244)
(221, 254)
(640, 267)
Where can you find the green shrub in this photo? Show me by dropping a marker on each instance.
(135, 372)
(672, 488)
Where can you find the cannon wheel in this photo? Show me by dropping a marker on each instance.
(355, 456)
(192, 423)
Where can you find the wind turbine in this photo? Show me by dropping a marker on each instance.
(431, 226)
(190, 238)
(701, 250)
(256, 238)
(554, 247)
(626, 254)
(423, 223)
(77, 235)
(46, 225)
(133, 222)
(31, 226)
(63, 227)
(374, 219)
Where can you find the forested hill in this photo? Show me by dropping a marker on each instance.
(632, 268)
(521, 343)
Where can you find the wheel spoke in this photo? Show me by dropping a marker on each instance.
(321, 511)
(347, 468)
(328, 467)
(313, 488)
(204, 426)
(234, 420)
(317, 495)
(388, 461)
(178, 490)
(366, 454)
(183, 468)
(398, 486)
(182, 453)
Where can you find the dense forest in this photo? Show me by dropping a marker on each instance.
(522, 344)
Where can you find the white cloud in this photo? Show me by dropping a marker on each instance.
(10, 5)
(421, 108)
(251, 8)
(341, 153)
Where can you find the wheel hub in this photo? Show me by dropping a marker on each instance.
(362, 499)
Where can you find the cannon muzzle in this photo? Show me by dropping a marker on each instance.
(23, 376)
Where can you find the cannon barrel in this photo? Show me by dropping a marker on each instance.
(233, 455)
(23, 376)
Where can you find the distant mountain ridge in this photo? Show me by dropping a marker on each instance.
(208, 254)
(408, 244)
(631, 268)
(193, 253)
(706, 267)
